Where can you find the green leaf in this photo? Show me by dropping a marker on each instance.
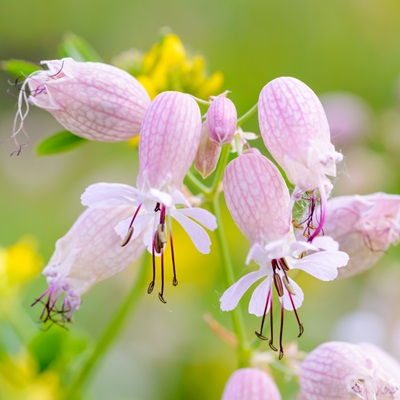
(57, 346)
(77, 48)
(18, 68)
(59, 143)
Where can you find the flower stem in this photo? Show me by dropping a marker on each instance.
(243, 349)
(247, 115)
(111, 331)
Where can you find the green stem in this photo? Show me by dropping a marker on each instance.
(111, 331)
(223, 160)
(247, 115)
(199, 185)
(244, 351)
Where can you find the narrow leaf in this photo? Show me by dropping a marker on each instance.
(77, 48)
(18, 68)
(59, 143)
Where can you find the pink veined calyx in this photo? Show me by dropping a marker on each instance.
(295, 131)
(92, 100)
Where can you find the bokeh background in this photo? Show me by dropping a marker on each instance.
(347, 51)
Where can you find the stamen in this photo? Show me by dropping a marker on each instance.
(297, 225)
(301, 327)
(128, 236)
(288, 286)
(278, 284)
(271, 323)
(130, 229)
(160, 239)
(283, 263)
(161, 294)
(151, 285)
(174, 280)
(322, 213)
(281, 353)
(260, 335)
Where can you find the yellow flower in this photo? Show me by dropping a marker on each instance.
(20, 262)
(167, 66)
(21, 380)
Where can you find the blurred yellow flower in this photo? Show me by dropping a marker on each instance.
(20, 379)
(19, 263)
(167, 66)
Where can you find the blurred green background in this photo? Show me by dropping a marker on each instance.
(168, 352)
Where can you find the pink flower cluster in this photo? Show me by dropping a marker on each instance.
(101, 102)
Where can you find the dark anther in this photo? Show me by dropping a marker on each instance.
(127, 237)
(283, 264)
(260, 336)
(271, 345)
(281, 354)
(160, 239)
(278, 284)
(157, 207)
(160, 296)
(301, 328)
(151, 287)
(175, 281)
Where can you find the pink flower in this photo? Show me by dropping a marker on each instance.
(93, 100)
(259, 202)
(340, 371)
(207, 155)
(88, 253)
(221, 120)
(296, 132)
(250, 384)
(169, 140)
(364, 227)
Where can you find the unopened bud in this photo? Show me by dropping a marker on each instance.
(93, 100)
(250, 384)
(221, 120)
(207, 155)
(340, 370)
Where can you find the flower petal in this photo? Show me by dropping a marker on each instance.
(141, 222)
(296, 298)
(259, 298)
(322, 265)
(201, 216)
(326, 243)
(232, 295)
(179, 198)
(197, 234)
(161, 197)
(109, 194)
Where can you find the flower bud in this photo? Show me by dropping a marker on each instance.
(340, 371)
(364, 226)
(250, 384)
(169, 140)
(295, 131)
(207, 154)
(221, 120)
(92, 100)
